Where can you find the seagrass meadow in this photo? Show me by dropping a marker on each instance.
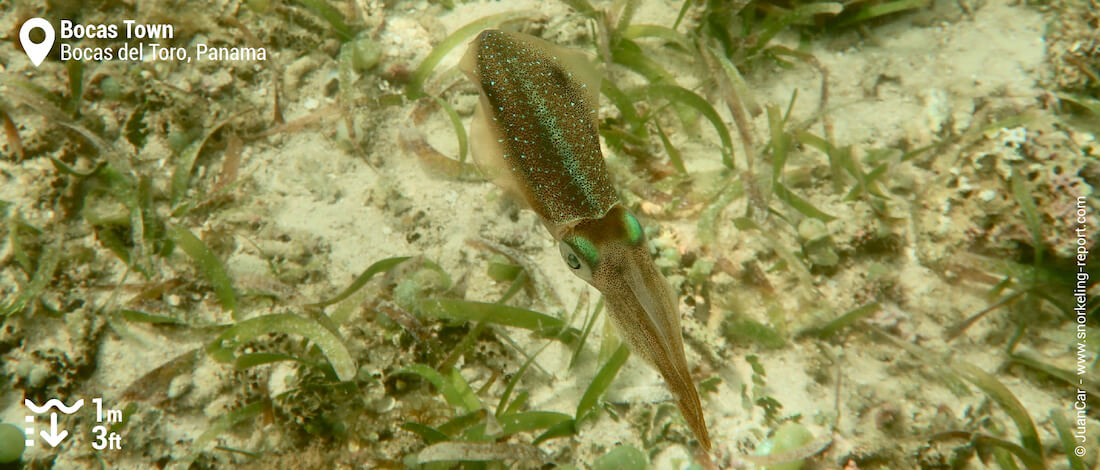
(877, 218)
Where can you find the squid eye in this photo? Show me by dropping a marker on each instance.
(634, 232)
(576, 262)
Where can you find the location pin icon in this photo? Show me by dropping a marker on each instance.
(36, 51)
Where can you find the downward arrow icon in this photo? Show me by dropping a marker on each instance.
(53, 438)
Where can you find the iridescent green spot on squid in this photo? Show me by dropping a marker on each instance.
(634, 233)
(585, 249)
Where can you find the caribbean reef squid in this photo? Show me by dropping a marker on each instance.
(535, 135)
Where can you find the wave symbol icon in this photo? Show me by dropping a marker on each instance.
(51, 403)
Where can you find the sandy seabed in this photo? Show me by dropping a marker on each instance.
(296, 209)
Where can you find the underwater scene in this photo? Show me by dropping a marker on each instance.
(555, 234)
